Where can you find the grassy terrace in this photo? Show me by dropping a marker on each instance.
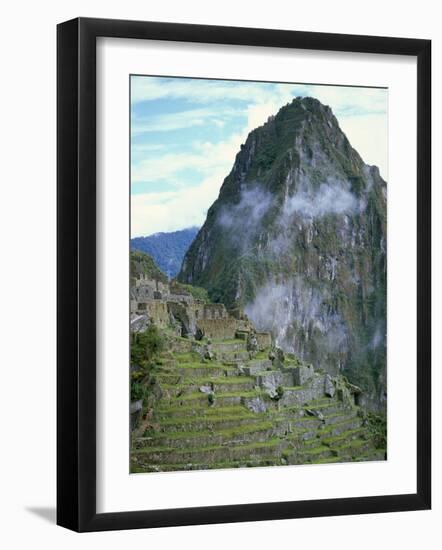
(203, 380)
(273, 443)
(203, 409)
(180, 420)
(190, 429)
(201, 396)
(344, 436)
(316, 450)
(208, 366)
(227, 433)
(261, 355)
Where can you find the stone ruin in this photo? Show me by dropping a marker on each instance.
(170, 305)
(222, 396)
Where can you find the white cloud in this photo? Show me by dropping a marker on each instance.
(258, 114)
(368, 134)
(347, 101)
(172, 210)
(361, 114)
(344, 99)
(197, 90)
(147, 147)
(330, 198)
(183, 119)
(205, 158)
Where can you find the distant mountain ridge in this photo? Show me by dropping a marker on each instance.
(167, 249)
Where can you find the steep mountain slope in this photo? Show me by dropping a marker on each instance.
(167, 249)
(297, 237)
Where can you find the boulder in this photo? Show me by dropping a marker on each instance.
(136, 406)
(315, 413)
(256, 405)
(270, 383)
(252, 342)
(329, 387)
(139, 323)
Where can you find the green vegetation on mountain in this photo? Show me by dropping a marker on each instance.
(297, 236)
(145, 348)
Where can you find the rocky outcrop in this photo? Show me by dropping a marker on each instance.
(297, 237)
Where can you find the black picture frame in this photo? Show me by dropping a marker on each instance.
(76, 274)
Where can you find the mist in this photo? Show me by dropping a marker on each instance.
(328, 199)
(294, 309)
(243, 221)
(295, 312)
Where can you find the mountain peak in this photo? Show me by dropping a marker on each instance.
(297, 237)
(296, 148)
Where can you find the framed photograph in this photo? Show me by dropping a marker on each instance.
(243, 274)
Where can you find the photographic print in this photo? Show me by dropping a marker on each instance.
(258, 274)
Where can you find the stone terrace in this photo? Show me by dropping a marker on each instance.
(223, 406)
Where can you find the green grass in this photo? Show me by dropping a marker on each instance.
(274, 442)
(261, 355)
(229, 341)
(201, 381)
(345, 420)
(212, 418)
(209, 367)
(355, 444)
(330, 441)
(315, 450)
(225, 433)
(190, 357)
(256, 463)
(201, 410)
(239, 393)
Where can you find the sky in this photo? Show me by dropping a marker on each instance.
(185, 134)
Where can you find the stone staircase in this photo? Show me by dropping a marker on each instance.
(242, 409)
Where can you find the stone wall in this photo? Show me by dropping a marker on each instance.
(162, 302)
(218, 328)
(142, 293)
(264, 340)
(214, 311)
(144, 281)
(185, 315)
(157, 311)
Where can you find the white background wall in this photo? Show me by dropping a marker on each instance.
(27, 290)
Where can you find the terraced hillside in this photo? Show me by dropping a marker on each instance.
(218, 405)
